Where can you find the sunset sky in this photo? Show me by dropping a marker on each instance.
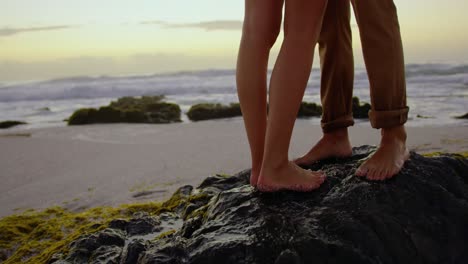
(57, 38)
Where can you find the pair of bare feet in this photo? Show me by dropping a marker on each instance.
(385, 163)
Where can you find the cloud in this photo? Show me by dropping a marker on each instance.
(7, 31)
(206, 25)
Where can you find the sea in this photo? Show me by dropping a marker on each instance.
(436, 93)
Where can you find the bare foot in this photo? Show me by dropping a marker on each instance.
(289, 177)
(389, 158)
(254, 173)
(332, 145)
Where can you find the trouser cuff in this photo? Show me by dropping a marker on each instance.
(342, 122)
(387, 119)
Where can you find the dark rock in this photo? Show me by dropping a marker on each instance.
(10, 123)
(132, 252)
(85, 249)
(200, 112)
(57, 259)
(142, 225)
(360, 110)
(107, 255)
(288, 257)
(111, 237)
(309, 110)
(3, 254)
(465, 116)
(118, 224)
(147, 109)
(178, 202)
(419, 216)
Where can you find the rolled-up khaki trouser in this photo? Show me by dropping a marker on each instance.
(383, 56)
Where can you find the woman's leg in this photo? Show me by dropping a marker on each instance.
(303, 19)
(262, 24)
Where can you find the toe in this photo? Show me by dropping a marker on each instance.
(383, 173)
(386, 174)
(361, 171)
(371, 174)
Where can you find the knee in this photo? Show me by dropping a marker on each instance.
(261, 32)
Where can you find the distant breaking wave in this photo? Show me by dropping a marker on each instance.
(202, 82)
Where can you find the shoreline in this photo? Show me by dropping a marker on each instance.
(78, 167)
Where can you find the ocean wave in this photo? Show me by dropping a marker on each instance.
(435, 69)
(422, 77)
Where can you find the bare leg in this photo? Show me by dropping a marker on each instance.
(262, 24)
(389, 158)
(303, 20)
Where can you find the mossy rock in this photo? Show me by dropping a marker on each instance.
(309, 109)
(107, 114)
(82, 116)
(147, 109)
(128, 102)
(213, 111)
(360, 111)
(465, 116)
(10, 123)
(134, 116)
(163, 112)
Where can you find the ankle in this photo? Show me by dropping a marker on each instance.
(394, 133)
(274, 164)
(337, 135)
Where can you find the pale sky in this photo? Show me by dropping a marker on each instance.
(42, 39)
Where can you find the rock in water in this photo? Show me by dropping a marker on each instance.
(10, 123)
(207, 111)
(465, 116)
(420, 216)
(360, 110)
(144, 109)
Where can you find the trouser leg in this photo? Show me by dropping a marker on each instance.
(337, 66)
(383, 55)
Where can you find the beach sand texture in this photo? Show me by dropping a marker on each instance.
(78, 167)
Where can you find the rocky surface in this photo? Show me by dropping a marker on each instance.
(10, 123)
(420, 216)
(145, 109)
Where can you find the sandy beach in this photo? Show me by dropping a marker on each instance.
(108, 164)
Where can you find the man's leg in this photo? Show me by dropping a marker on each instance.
(383, 55)
(337, 66)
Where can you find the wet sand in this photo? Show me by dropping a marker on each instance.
(109, 164)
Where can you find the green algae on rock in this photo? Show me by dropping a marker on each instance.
(10, 123)
(145, 109)
(42, 236)
(207, 111)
